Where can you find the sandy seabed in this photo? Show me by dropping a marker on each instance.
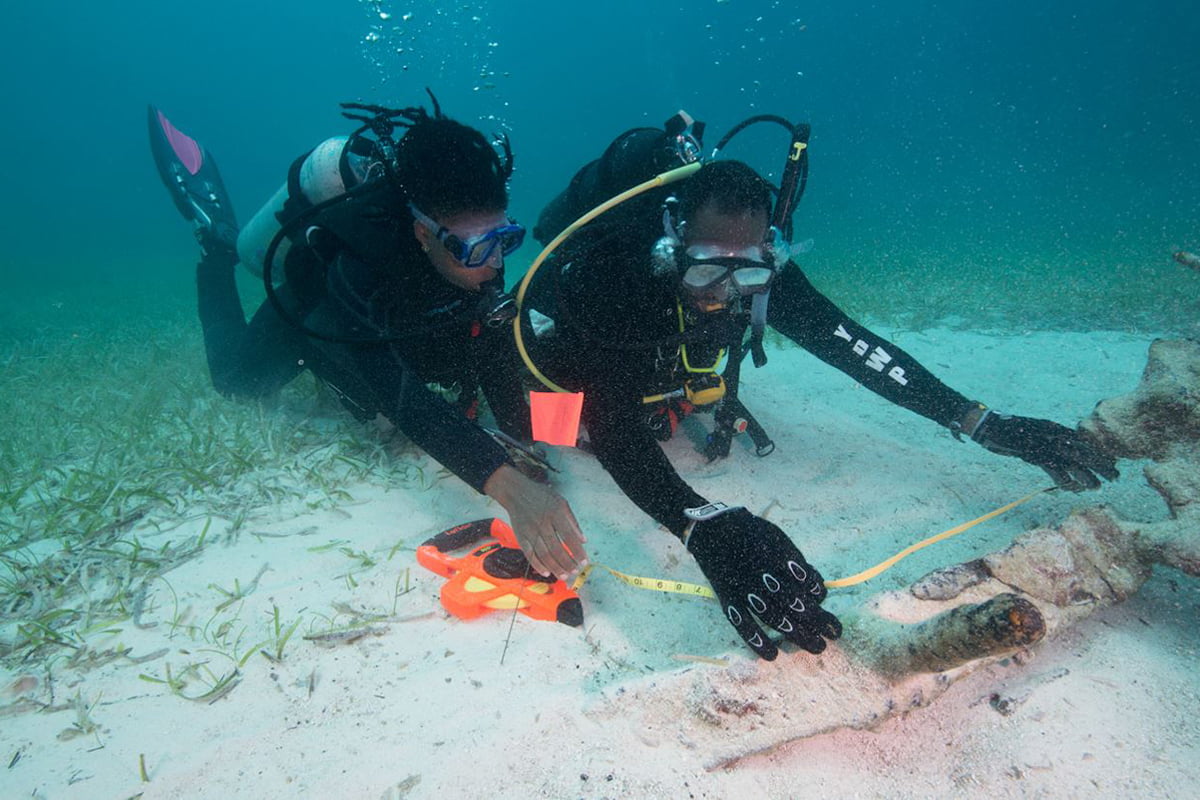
(415, 703)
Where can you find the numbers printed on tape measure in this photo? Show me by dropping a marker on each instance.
(637, 582)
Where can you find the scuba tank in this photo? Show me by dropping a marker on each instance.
(328, 171)
(636, 155)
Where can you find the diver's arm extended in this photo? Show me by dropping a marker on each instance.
(374, 379)
(371, 381)
(811, 320)
(627, 449)
(807, 317)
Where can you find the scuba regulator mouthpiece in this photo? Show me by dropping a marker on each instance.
(497, 307)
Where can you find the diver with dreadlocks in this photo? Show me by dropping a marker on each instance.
(382, 258)
(642, 304)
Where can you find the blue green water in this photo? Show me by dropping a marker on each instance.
(1031, 162)
(1022, 166)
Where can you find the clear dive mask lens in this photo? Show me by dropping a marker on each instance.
(704, 275)
(752, 280)
(741, 269)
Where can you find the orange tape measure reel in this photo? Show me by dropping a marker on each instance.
(494, 576)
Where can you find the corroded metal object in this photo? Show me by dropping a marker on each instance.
(996, 627)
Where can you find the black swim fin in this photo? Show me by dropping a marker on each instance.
(191, 176)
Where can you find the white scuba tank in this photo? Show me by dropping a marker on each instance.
(320, 180)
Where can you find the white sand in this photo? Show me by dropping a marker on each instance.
(422, 707)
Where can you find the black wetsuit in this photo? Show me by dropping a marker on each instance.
(367, 279)
(606, 305)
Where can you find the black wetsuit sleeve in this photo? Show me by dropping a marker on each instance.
(377, 378)
(245, 360)
(609, 299)
(811, 320)
(256, 359)
(499, 369)
(372, 380)
(625, 447)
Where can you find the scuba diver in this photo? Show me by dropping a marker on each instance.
(383, 263)
(638, 313)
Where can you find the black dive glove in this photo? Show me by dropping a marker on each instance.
(759, 576)
(1065, 454)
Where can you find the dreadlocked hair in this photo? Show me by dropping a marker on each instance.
(444, 167)
(733, 186)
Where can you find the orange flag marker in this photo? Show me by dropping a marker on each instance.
(555, 417)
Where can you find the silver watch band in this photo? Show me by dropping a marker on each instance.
(705, 512)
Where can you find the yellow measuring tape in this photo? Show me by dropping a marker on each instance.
(867, 574)
(677, 587)
(698, 590)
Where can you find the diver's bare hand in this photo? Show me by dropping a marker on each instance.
(542, 521)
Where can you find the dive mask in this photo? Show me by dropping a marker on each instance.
(715, 269)
(476, 251)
